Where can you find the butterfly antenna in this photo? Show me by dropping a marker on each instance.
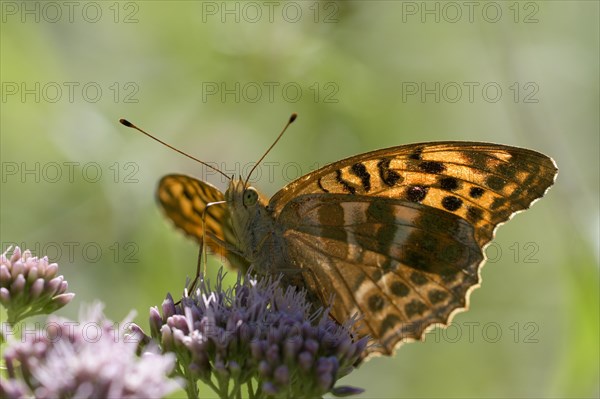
(131, 125)
(290, 121)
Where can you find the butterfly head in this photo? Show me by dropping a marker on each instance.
(239, 196)
(249, 216)
(244, 204)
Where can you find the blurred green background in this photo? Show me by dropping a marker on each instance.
(219, 80)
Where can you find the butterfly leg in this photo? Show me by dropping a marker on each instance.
(229, 247)
(198, 266)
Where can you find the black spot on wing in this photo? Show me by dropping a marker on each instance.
(376, 303)
(476, 192)
(416, 155)
(388, 176)
(416, 193)
(387, 265)
(498, 202)
(449, 183)
(451, 203)
(414, 307)
(390, 322)
(377, 274)
(399, 289)
(478, 160)
(507, 169)
(360, 170)
(474, 214)
(495, 182)
(345, 184)
(418, 278)
(448, 275)
(437, 296)
(434, 167)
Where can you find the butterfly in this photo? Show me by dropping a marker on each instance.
(396, 235)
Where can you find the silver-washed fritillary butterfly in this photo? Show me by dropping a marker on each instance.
(396, 235)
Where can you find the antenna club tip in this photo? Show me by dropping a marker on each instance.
(125, 122)
(293, 117)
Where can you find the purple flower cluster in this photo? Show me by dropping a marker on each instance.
(256, 331)
(30, 286)
(93, 358)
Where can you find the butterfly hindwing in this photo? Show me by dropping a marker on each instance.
(403, 264)
(184, 199)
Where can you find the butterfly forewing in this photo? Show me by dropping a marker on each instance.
(482, 183)
(184, 199)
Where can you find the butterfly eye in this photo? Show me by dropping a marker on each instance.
(250, 197)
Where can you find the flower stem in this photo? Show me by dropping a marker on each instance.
(191, 386)
(250, 389)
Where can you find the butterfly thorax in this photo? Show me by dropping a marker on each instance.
(255, 228)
